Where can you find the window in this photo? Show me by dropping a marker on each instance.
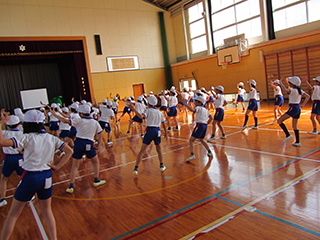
(197, 28)
(291, 13)
(235, 17)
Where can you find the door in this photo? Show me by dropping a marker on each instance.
(138, 90)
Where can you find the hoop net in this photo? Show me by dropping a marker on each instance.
(225, 65)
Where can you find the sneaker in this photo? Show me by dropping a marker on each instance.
(169, 129)
(101, 182)
(313, 132)
(254, 127)
(223, 137)
(127, 133)
(244, 127)
(295, 144)
(176, 129)
(211, 138)
(3, 203)
(70, 190)
(162, 168)
(210, 154)
(83, 156)
(287, 138)
(191, 158)
(109, 143)
(135, 172)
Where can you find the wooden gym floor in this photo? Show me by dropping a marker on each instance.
(254, 187)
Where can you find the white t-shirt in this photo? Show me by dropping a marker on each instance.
(86, 127)
(10, 134)
(163, 100)
(114, 104)
(316, 93)
(253, 94)
(185, 95)
(140, 107)
(241, 92)
(106, 113)
(39, 149)
(294, 96)
(202, 114)
(191, 93)
(173, 101)
(154, 117)
(219, 102)
(278, 91)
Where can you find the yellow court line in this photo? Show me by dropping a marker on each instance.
(133, 195)
(224, 218)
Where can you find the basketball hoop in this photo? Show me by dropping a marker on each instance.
(225, 65)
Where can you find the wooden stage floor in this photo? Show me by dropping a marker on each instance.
(254, 187)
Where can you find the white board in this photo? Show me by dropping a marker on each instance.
(31, 98)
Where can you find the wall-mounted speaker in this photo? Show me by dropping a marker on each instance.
(98, 44)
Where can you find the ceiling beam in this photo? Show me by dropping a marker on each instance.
(155, 4)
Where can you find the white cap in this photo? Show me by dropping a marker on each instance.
(53, 105)
(295, 80)
(42, 109)
(17, 111)
(317, 79)
(104, 101)
(152, 100)
(241, 84)
(129, 99)
(220, 88)
(65, 110)
(198, 91)
(74, 106)
(13, 120)
(173, 89)
(277, 81)
(139, 98)
(34, 116)
(253, 82)
(84, 109)
(89, 104)
(150, 92)
(201, 99)
(58, 104)
(132, 97)
(165, 91)
(115, 99)
(202, 89)
(109, 103)
(83, 101)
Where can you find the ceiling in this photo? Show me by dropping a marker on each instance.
(167, 5)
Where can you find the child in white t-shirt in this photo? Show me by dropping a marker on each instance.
(315, 112)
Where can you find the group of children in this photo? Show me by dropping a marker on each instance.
(79, 122)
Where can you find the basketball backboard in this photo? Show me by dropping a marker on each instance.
(228, 54)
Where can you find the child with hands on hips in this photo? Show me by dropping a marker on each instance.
(39, 148)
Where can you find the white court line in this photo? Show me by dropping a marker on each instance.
(40, 226)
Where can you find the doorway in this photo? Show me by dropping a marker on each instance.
(138, 90)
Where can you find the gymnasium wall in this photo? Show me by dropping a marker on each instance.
(207, 71)
(126, 27)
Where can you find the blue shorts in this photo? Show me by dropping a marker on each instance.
(12, 162)
(115, 111)
(72, 132)
(218, 116)
(278, 101)
(39, 182)
(172, 111)
(63, 133)
(152, 134)
(294, 111)
(253, 105)
(105, 126)
(316, 107)
(163, 108)
(240, 98)
(211, 100)
(200, 130)
(126, 110)
(54, 125)
(137, 119)
(191, 99)
(83, 146)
